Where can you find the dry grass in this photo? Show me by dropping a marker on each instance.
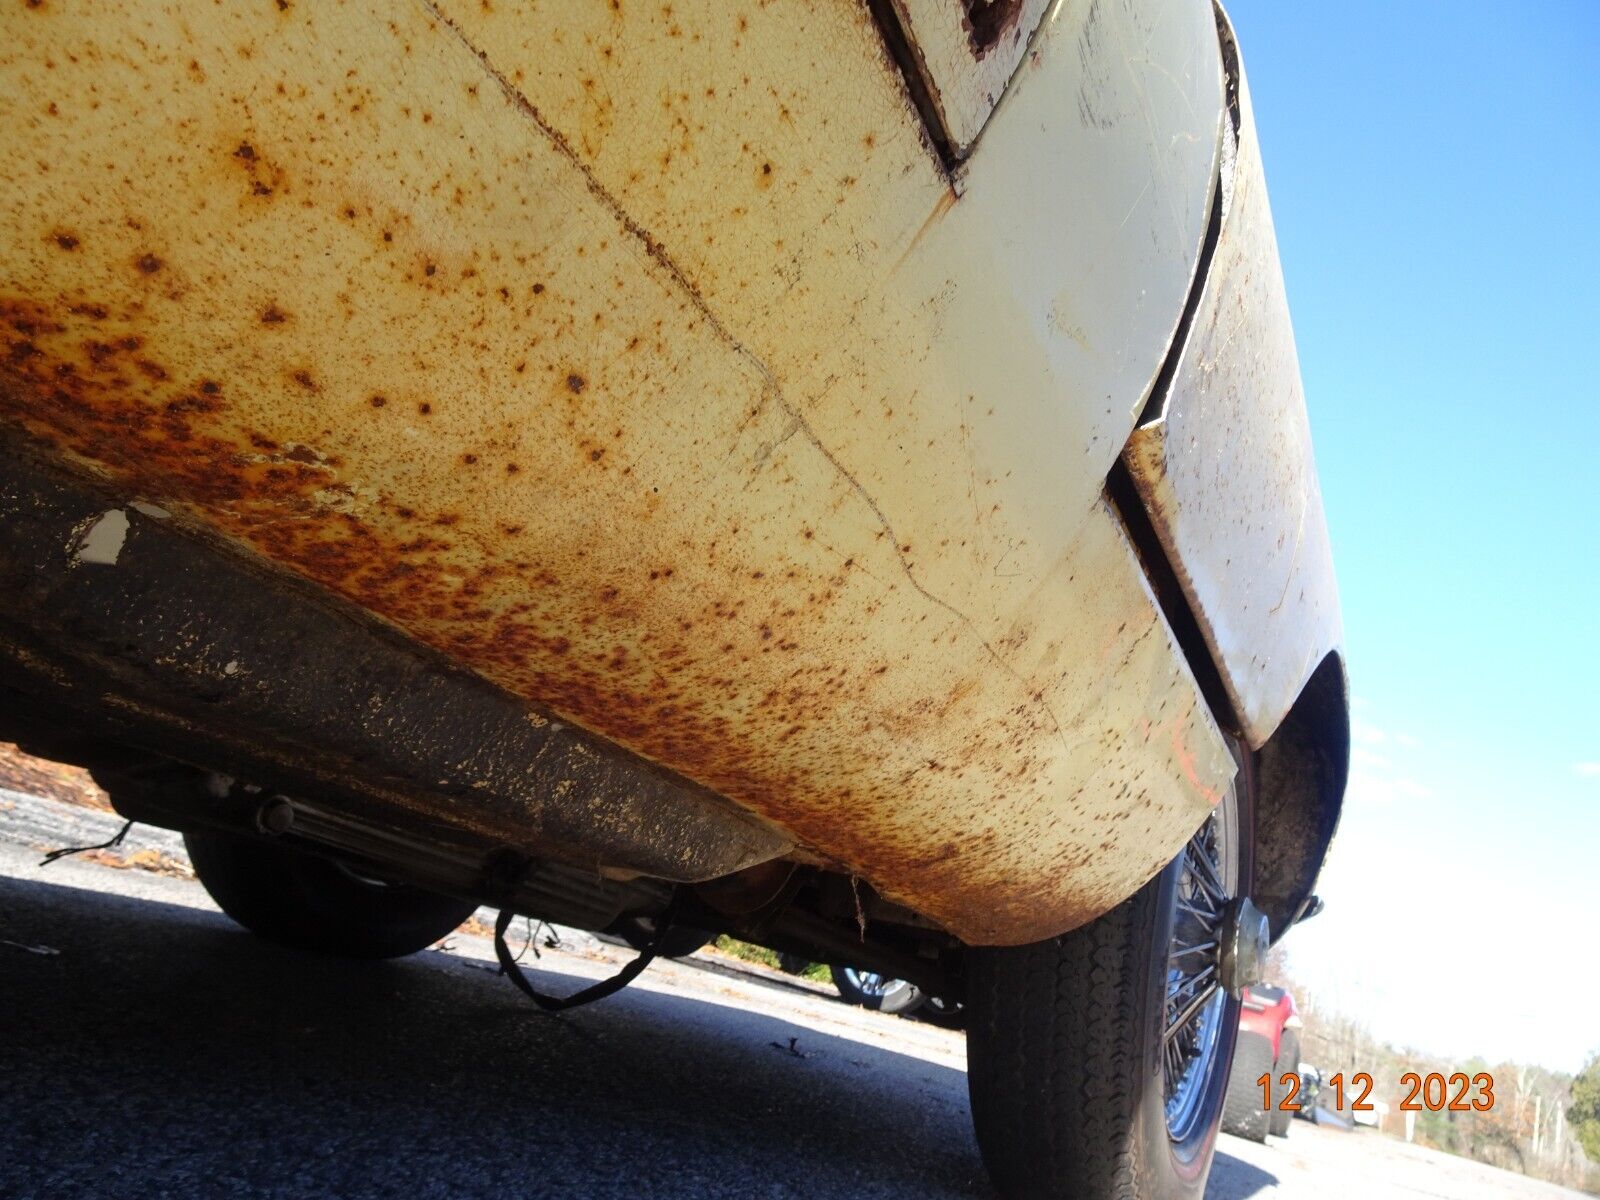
(157, 862)
(71, 785)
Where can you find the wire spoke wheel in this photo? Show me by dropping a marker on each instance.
(870, 982)
(1208, 882)
(871, 989)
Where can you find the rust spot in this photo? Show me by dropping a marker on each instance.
(988, 21)
(148, 263)
(576, 384)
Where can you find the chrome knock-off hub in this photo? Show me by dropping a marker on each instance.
(1246, 938)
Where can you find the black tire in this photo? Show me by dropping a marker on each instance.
(1065, 1055)
(950, 1014)
(865, 989)
(1288, 1064)
(313, 903)
(681, 940)
(1242, 1113)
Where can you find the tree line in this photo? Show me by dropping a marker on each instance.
(1544, 1124)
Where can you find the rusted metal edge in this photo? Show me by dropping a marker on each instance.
(1221, 189)
(162, 638)
(1303, 767)
(923, 92)
(920, 90)
(1123, 494)
(1122, 490)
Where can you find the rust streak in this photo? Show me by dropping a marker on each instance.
(659, 254)
(946, 203)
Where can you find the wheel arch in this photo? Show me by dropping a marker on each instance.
(1301, 772)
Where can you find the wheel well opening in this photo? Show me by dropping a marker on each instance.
(1301, 773)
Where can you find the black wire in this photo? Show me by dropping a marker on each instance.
(111, 844)
(598, 991)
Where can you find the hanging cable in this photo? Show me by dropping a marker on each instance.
(599, 991)
(110, 844)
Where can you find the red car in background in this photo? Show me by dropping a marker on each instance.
(1269, 1044)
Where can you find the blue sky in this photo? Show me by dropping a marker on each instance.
(1435, 179)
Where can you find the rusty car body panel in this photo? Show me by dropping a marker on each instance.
(1226, 469)
(652, 364)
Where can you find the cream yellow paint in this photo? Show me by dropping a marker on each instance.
(640, 359)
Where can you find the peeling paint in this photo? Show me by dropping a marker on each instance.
(968, 51)
(101, 542)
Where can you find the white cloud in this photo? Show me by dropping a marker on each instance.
(1378, 776)
(1367, 735)
(1591, 769)
(1363, 733)
(1377, 791)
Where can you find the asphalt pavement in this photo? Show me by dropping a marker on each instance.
(152, 1049)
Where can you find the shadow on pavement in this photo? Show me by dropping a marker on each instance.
(1234, 1179)
(163, 1052)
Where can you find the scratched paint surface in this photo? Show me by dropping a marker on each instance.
(645, 363)
(1228, 473)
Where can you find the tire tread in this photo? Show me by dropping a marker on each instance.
(1071, 995)
(1242, 1114)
